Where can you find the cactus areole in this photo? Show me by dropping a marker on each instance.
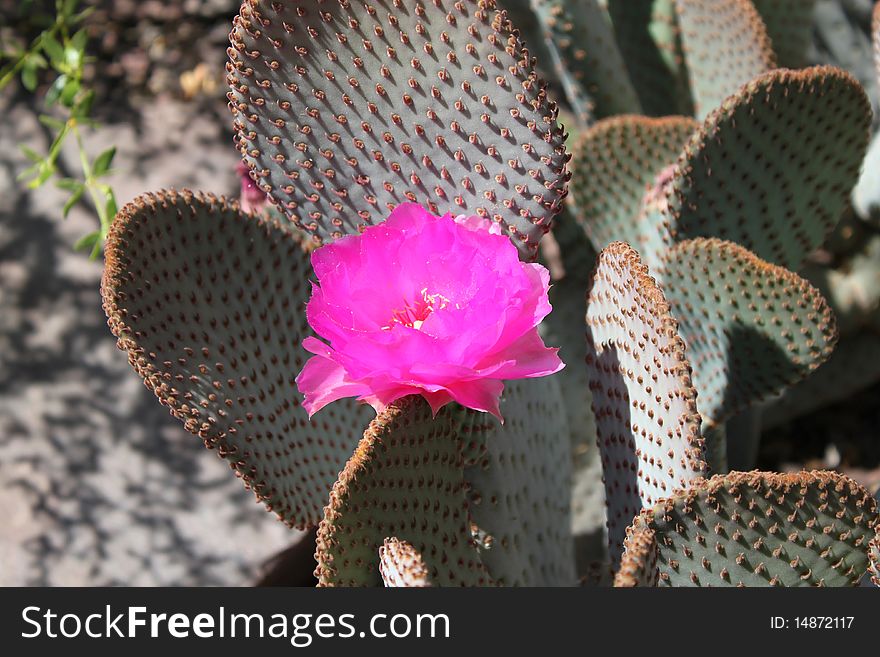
(420, 304)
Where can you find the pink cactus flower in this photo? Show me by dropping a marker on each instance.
(436, 306)
(251, 198)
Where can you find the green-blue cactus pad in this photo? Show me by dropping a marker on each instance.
(401, 565)
(866, 195)
(725, 44)
(405, 480)
(209, 304)
(344, 110)
(532, 35)
(772, 168)
(853, 366)
(764, 529)
(643, 398)
(874, 555)
(751, 328)
(875, 37)
(520, 489)
(790, 28)
(649, 39)
(638, 566)
(589, 64)
(620, 165)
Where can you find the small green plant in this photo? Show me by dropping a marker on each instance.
(60, 49)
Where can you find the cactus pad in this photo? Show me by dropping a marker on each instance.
(643, 399)
(520, 490)
(589, 63)
(751, 328)
(725, 44)
(649, 39)
(638, 566)
(764, 529)
(404, 480)
(343, 110)
(401, 565)
(853, 366)
(874, 555)
(209, 305)
(619, 164)
(772, 168)
(875, 37)
(866, 195)
(790, 28)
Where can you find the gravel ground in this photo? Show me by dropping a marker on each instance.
(99, 485)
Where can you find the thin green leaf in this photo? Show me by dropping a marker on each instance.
(110, 208)
(29, 77)
(69, 184)
(68, 94)
(52, 122)
(103, 162)
(87, 241)
(55, 148)
(83, 107)
(68, 7)
(30, 153)
(72, 201)
(79, 40)
(30, 172)
(53, 48)
(55, 90)
(44, 172)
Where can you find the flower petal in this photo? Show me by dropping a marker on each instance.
(480, 395)
(527, 358)
(323, 381)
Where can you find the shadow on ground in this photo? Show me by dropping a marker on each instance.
(99, 485)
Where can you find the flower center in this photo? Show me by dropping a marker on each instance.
(415, 313)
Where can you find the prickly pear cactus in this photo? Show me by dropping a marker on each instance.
(208, 304)
(771, 168)
(645, 405)
(763, 529)
(405, 480)
(344, 110)
(747, 174)
(851, 367)
(649, 38)
(401, 565)
(789, 25)
(638, 566)
(565, 327)
(581, 41)
(752, 328)
(725, 45)
(373, 106)
(874, 570)
(623, 164)
(519, 488)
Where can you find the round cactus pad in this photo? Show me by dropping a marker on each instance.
(209, 304)
(344, 110)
